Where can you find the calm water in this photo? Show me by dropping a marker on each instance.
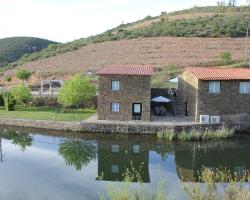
(64, 166)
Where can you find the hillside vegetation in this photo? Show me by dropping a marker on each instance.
(163, 53)
(213, 21)
(203, 34)
(11, 49)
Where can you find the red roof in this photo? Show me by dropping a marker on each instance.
(126, 70)
(211, 73)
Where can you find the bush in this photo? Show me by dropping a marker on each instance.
(194, 134)
(9, 101)
(76, 91)
(226, 58)
(21, 94)
(44, 101)
(23, 75)
(214, 186)
(7, 78)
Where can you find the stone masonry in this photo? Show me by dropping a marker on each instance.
(229, 104)
(225, 104)
(133, 89)
(188, 91)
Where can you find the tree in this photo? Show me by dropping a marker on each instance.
(221, 3)
(226, 57)
(77, 152)
(9, 101)
(21, 94)
(75, 91)
(232, 3)
(23, 75)
(21, 139)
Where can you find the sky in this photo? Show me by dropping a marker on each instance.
(67, 20)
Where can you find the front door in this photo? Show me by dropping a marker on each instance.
(136, 111)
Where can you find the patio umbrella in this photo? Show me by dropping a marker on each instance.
(160, 99)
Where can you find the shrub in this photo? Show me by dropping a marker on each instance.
(23, 75)
(127, 190)
(21, 94)
(76, 91)
(194, 134)
(9, 101)
(7, 78)
(213, 180)
(167, 134)
(45, 101)
(226, 58)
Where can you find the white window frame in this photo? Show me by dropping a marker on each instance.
(214, 87)
(114, 169)
(115, 148)
(115, 85)
(136, 106)
(244, 88)
(136, 148)
(115, 107)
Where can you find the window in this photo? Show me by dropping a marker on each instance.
(114, 169)
(115, 85)
(115, 107)
(115, 148)
(137, 108)
(244, 87)
(214, 87)
(136, 148)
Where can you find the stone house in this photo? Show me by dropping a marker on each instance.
(223, 92)
(124, 93)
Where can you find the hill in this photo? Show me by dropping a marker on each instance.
(167, 52)
(212, 21)
(11, 49)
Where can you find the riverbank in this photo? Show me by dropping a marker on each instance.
(131, 127)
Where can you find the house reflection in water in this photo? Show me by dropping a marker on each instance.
(190, 159)
(115, 156)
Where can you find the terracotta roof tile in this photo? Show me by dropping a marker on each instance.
(211, 73)
(126, 70)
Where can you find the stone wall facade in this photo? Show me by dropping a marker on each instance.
(188, 93)
(133, 89)
(229, 103)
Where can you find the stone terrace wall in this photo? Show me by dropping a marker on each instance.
(147, 128)
(115, 127)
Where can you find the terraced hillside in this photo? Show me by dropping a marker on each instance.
(195, 36)
(158, 52)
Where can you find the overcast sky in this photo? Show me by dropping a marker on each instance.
(67, 20)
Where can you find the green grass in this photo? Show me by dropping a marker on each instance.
(43, 113)
(221, 133)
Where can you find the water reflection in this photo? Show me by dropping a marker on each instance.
(190, 158)
(114, 154)
(22, 140)
(77, 153)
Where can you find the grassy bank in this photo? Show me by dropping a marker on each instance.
(43, 113)
(171, 135)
